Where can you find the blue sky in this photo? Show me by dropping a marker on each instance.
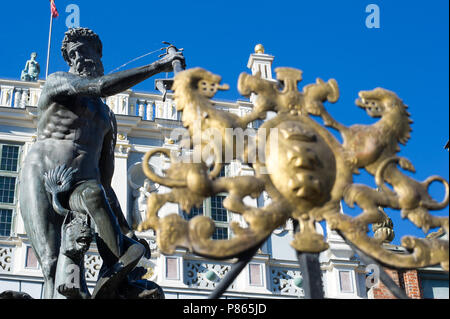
(408, 54)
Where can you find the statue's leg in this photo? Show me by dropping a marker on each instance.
(42, 224)
(120, 254)
(90, 198)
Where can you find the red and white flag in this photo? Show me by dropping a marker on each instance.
(53, 9)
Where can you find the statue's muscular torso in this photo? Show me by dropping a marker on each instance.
(72, 131)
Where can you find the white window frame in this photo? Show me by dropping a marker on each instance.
(177, 262)
(208, 212)
(28, 248)
(12, 206)
(351, 282)
(261, 275)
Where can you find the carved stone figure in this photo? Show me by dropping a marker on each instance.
(31, 70)
(70, 281)
(77, 129)
(140, 203)
(76, 237)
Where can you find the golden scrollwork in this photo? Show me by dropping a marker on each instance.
(306, 173)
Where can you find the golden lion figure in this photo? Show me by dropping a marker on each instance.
(374, 148)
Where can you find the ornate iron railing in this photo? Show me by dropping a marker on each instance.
(304, 169)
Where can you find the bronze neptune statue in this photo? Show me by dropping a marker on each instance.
(76, 129)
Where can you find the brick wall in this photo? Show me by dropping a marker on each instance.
(380, 291)
(407, 280)
(412, 284)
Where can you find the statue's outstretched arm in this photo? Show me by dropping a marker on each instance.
(64, 85)
(115, 83)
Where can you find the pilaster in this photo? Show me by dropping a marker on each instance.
(262, 63)
(119, 181)
(344, 275)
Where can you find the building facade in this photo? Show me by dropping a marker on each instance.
(145, 121)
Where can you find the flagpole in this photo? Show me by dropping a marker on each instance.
(49, 43)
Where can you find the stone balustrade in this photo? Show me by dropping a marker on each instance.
(18, 94)
(148, 106)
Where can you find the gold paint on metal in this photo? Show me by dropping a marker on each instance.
(259, 48)
(307, 175)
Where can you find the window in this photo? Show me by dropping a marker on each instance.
(5, 222)
(31, 259)
(434, 285)
(220, 216)
(218, 212)
(195, 211)
(220, 233)
(172, 268)
(9, 170)
(345, 280)
(10, 156)
(255, 275)
(213, 208)
(7, 189)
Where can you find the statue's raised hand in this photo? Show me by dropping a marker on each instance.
(172, 60)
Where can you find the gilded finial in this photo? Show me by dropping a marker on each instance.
(259, 48)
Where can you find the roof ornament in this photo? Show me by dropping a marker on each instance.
(32, 69)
